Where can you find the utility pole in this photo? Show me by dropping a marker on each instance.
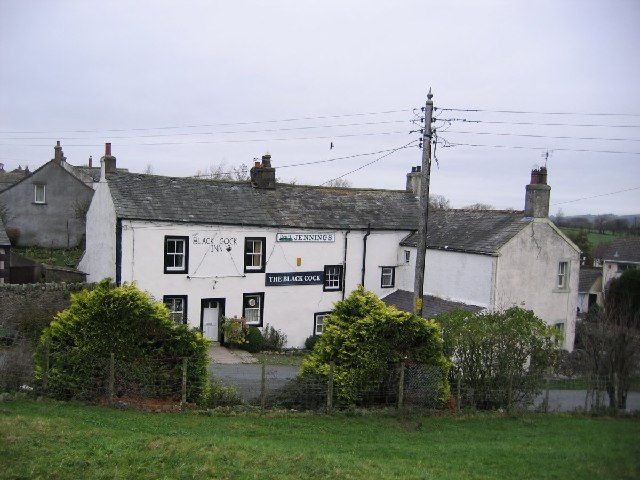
(423, 214)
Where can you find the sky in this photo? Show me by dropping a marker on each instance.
(334, 89)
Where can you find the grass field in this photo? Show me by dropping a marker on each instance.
(594, 237)
(59, 441)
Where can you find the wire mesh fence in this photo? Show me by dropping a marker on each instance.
(168, 384)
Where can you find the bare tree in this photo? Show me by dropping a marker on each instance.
(222, 172)
(339, 183)
(439, 202)
(148, 170)
(479, 206)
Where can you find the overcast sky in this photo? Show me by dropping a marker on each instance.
(184, 85)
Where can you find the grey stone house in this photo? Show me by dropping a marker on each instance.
(47, 207)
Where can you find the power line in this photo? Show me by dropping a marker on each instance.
(370, 163)
(499, 122)
(452, 144)
(257, 122)
(564, 137)
(539, 113)
(596, 196)
(337, 158)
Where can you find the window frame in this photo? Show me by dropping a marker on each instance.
(185, 255)
(184, 299)
(247, 254)
(407, 256)
(330, 277)
(562, 275)
(315, 322)
(36, 187)
(392, 283)
(245, 297)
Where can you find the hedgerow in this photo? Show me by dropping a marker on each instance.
(124, 321)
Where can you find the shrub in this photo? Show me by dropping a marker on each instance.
(274, 340)
(234, 331)
(310, 342)
(221, 395)
(500, 356)
(147, 346)
(362, 336)
(254, 342)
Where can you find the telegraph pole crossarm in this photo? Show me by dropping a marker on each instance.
(423, 214)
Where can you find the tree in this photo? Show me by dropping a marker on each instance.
(126, 322)
(222, 172)
(338, 183)
(581, 239)
(610, 336)
(439, 202)
(148, 170)
(501, 356)
(479, 206)
(362, 336)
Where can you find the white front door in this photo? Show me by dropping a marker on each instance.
(210, 315)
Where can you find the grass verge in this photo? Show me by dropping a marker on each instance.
(60, 440)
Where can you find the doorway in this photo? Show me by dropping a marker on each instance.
(211, 312)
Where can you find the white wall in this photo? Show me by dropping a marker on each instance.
(461, 277)
(99, 259)
(215, 272)
(529, 280)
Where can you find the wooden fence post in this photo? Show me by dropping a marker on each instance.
(183, 402)
(330, 388)
(112, 377)
(401, 386)
(458, 394)
(45, 376)
(263, 387)
(546, 396)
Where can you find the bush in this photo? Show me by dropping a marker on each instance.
(221, 395)
(254, 342)
(235, 331)
(501, 356)
(362, 336)
(147, 346)
(310, 342)
(274, 340)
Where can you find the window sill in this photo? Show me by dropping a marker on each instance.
(561, 290)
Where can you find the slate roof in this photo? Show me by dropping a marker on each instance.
(588, 276)
(183, 199)
(431, 306)
(478, 231)
(9, 178)
(619, 250)
(4, 240)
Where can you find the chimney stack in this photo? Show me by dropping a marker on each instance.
(538, 193)
(414, 180)
(58, 154)
(90, 161)
(263, 175)
(108, 162)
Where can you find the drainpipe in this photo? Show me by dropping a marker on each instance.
(364, 251)
(344, 262)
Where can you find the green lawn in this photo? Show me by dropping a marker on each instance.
(59, 441)
(594, 237)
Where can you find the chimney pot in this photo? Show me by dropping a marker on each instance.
(263, 175)
(90, 161)
(107, 149)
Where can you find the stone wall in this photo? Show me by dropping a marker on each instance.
(20, 301)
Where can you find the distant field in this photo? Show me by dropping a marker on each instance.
(58, 440)
(594, 237)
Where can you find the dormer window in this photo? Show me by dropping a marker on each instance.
(40, 194)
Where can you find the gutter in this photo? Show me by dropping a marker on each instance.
(364, 252)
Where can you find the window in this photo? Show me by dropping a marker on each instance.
(332, 278)
(563, 275)
(407, 256)
(176, 254)
(388, 278)
(177, 305)
(254, 254)
(318, 322)
(253, 308)
(40, 194)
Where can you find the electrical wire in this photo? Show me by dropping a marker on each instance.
(529, 135)
(455, 144)
(498, 122)
(596, 196)
(538, 113)
(370, 163)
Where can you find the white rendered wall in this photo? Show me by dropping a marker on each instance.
(99, 259)
(214, 272)
(527, 276)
